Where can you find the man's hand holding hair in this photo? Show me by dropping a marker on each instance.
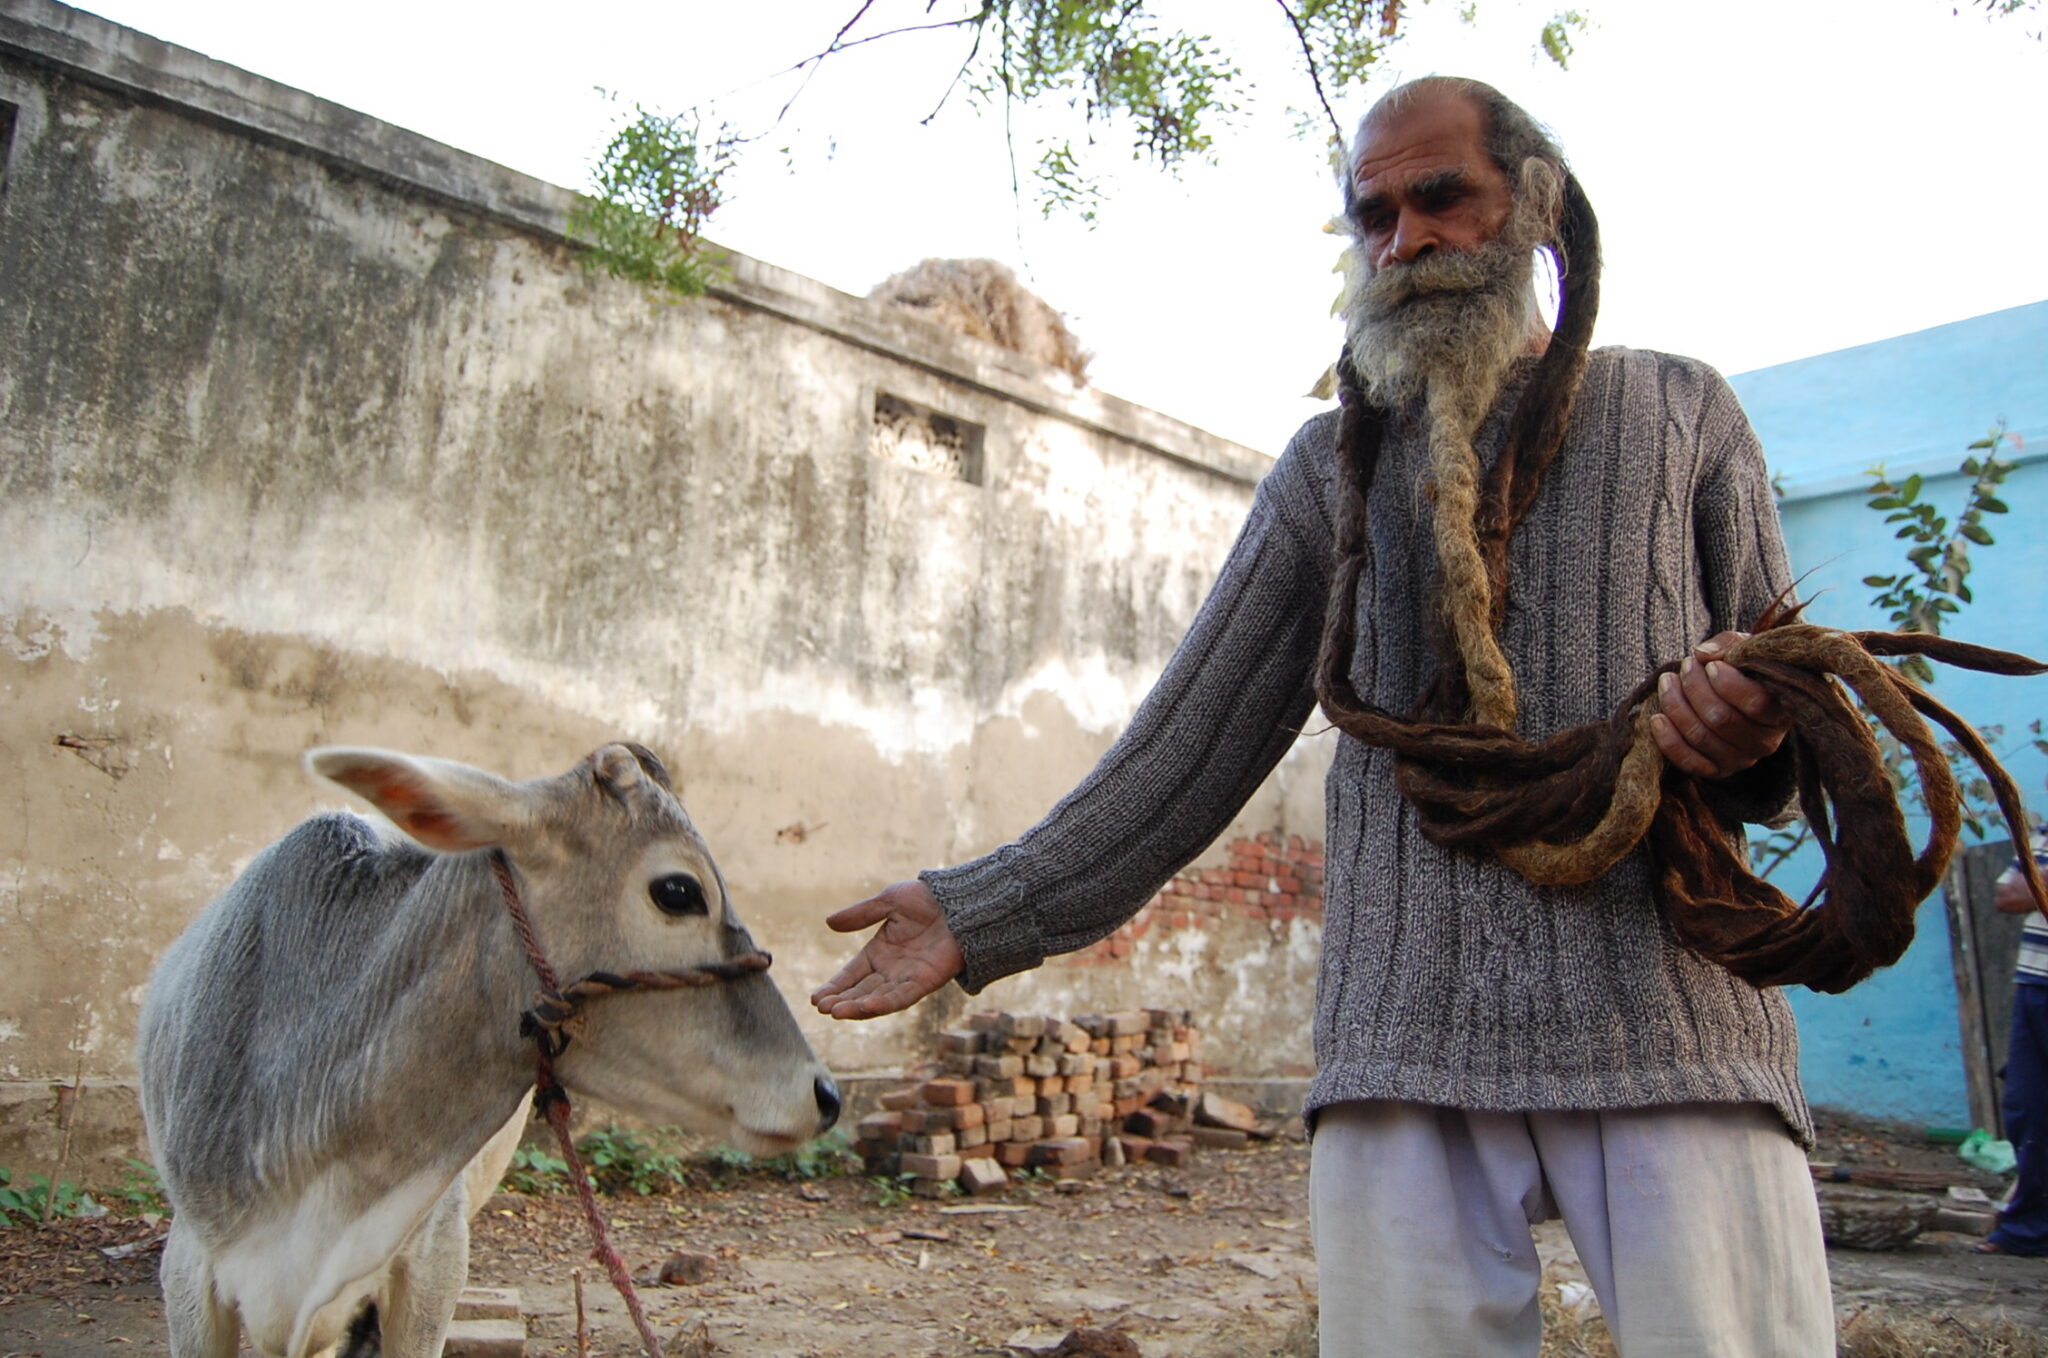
(1714, 721)
(910, 956)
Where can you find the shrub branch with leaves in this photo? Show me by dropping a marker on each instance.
(1932, 587)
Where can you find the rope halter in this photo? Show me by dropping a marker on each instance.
(554, 1019)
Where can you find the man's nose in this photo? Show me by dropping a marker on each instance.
(1414, 236)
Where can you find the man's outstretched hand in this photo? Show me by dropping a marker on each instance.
(910, 956)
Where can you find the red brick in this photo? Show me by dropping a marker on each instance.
(948, 1093)
(1003, 1067)
(1021, 1025)
(1014, 1154)
(932, 1166)
(983, 1176)
(1223, 1138)
(1170, 1153)
(1070, 1150)
(895, 1100)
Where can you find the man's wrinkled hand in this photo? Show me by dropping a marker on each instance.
(910, 956)
(1714, 721)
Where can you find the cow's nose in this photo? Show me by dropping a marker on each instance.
(828, 1103)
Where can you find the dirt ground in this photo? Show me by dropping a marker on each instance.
(1206, 1261)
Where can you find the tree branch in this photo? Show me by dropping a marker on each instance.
(817, 62)
(972, 53)
(1314, 73)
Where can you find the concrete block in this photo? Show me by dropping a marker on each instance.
(485, 1339)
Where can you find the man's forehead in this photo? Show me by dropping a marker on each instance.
(1429, 134)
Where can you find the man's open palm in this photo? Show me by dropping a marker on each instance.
(910, 956)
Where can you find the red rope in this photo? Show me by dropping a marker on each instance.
(557, 1109)
(554, 1104)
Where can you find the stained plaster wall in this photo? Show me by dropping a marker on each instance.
(314, 431)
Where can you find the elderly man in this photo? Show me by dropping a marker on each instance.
(1506, 530)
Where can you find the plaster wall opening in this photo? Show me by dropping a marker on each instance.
(922, 439)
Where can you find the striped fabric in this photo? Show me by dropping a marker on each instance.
(2033, 963)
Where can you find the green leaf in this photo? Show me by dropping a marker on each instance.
(1971, 466)
(1977, 534)
(1962, 591)
(1992, 505)
(1984, 443)
(1887, 502)
(1910, 490)
(1878, 581)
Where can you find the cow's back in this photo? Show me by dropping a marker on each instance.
(250, 1009)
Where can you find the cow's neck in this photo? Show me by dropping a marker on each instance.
(444, 984)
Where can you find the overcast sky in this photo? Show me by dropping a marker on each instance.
(1775, 178)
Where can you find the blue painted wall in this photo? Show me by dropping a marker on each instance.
(1891, 1046)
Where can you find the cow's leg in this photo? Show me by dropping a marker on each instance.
(426, 1280)
(200, 1326)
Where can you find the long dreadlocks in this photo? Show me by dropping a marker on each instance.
(1565, 810)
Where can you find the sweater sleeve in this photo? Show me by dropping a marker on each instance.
(1227, 707)
(1744, 569)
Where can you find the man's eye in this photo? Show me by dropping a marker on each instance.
(678, 894)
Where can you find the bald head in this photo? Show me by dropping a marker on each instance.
(1507, 133)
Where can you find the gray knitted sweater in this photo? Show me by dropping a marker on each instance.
(1445, 978)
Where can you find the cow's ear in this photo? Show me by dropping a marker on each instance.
(446, 806)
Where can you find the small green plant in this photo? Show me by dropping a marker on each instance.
(1032, 1179)
(623, 1161)
(29, 1202)
(655, 184)
(1917, 600)
(892, 1190)
(727, 1164)
(141, 1190)
(536, 1173)
(828, 1157)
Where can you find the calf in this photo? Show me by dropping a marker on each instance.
(333, 1048)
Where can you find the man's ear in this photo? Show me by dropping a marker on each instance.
(446, 806)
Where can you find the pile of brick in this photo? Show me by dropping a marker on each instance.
(1062, 1096)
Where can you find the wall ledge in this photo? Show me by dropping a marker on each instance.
(87, 48)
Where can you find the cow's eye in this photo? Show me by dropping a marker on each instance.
(678, 894)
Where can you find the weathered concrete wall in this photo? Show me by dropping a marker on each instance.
(314, 431)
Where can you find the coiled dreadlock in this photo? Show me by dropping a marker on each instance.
(1564, 811)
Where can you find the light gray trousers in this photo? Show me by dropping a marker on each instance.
(1696, 1223)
